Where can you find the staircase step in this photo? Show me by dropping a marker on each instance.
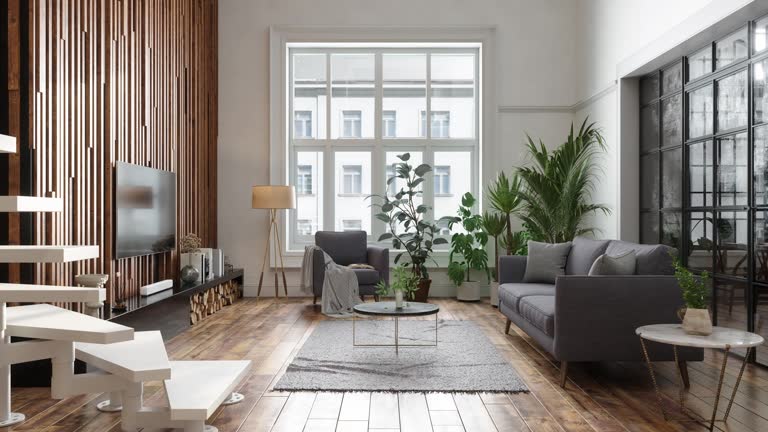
(44, 321)
(142, 359)
(25, 293)
(197, 388)
(7, 144)
(46, 254)
(18, 204)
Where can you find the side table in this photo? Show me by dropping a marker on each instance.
(721, 338)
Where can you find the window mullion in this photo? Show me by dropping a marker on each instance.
(428, 113)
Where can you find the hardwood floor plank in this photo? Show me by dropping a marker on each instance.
(264, 414)
(445, 418)
(385, 413)
(295, 412)
(352, 426)
(320, 425)
(473, 414)
(506, 417)
(448, 429)
(355, 406)
(440, 402)
(414, 414)
(327, 405)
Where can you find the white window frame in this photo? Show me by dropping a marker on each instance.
(479, 39)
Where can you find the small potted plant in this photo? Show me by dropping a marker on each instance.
(404, 285)
(696, 295)
(467, 250)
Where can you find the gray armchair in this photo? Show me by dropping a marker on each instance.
(350, 247)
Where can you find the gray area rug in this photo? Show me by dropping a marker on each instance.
(463, 361)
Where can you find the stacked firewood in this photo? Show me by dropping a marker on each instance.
(212, 300)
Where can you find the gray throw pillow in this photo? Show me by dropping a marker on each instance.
(606, 265)
(546, 261)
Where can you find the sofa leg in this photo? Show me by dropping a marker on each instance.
(683, 366)
(314, 300)
(376, 298)
(509, 324)
(563, 373)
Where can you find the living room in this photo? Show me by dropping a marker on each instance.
(249, 215)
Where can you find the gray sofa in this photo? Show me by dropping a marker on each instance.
(350, 247)
(593, 318)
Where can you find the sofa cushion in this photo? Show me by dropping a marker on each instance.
(606, 265)
(584, 252)
(344, 248)
(366, 276)
(540, 312)
(511, 293)
(546, 261)
(651, 259)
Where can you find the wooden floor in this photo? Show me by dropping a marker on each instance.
(599, 397)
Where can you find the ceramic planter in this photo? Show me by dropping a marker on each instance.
(422, 293)
(697, 322)
(468, 291)
(398, 299)
(495, 294)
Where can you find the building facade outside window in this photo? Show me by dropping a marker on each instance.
(352, 180)
(389, 125)
(352, 124)
(302, 124)
(352, 225)
(304, 179)
(442, 180)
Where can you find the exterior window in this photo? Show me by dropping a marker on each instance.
(442, 180)
(304, 227)
(352, 124)
(440, 124)
(389, 126)
(391, 187)
(352, 224)
(352, 181)
(302, 124)
(304, 179)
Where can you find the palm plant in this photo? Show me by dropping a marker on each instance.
(504, 197)
(556, 188)
(494, 224)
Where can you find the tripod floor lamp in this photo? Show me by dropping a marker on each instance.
(273, 198)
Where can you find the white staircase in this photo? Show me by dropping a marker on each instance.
(125, 359)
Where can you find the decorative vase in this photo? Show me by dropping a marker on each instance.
(495, 294)
(398, 299)
(468, 291)
(189, 274)
(697, 322)
(422, 293)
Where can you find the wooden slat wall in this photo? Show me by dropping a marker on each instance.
(121, 80)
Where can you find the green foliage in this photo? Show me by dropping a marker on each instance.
(494, 224)
(557, 187)
(696, 294)
(467, 247)
(505, 198)
(403, 280)
(517, 242)
(417, 237)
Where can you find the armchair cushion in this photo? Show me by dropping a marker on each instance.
(583, 254)
(367, 276)
(345, 248)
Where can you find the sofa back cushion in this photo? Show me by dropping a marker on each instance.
(584, 252)
(546, 261)
(651, 259)
(345, 248)
(606, 265)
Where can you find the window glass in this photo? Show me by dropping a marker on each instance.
(761, 165)
(702, 240)
(700, 112)
(457, 165)
(649, 88)
(700, 63)
(353, 185)
(672, 229)
(352, 90)
(701, 165)
(672, 119)
(309, 95)
(405, 93)
(672, 178)
(732, 170)
(761, 246)
(442, 180)
(759, 93)
(672, 78)
(453, 92)
(309, 193)
(649, 227)
(389, 124)
(731, 49)
(761, 34)
(649, 127)
(731, 239)
(649, 176)
(399, 184)
(732, 101)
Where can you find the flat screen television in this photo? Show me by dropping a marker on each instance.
(145, 210)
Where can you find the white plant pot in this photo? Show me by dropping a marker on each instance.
(495, 294)
(398, 299)
(468, 291)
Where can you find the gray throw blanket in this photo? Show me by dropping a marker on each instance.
(340, 289)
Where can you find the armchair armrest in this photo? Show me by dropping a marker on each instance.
(596, 316)
(511, 268)
(378, 257)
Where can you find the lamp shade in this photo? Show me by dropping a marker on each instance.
(273, 197)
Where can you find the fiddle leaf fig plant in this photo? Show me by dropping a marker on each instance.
(468, 247)
(405, 218)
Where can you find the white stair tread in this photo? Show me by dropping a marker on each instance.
(43, 321)
(24, 293)
(142, 359)
(46, 254)
(7, 144)
(197, 388)
(18, 204)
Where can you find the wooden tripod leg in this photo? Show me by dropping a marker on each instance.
(264, 261)
(280, 254)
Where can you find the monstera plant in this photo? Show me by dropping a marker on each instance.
(467, 249)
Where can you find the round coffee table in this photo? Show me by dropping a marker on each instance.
(388, 309)
(721, 338)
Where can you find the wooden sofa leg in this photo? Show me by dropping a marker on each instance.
(563, 373)
(314, 300)
(509, 323)
(375, 298)
(683, 366)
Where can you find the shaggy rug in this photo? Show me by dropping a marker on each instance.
(463, 361)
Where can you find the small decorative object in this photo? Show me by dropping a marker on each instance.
(189, 274)
(228, 266)
(405, 283)
(696, 319)
(119, 306)
(470, 246)
(190, 243)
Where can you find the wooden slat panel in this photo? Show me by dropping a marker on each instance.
(109, 81)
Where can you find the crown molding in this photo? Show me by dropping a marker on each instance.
(558, 109)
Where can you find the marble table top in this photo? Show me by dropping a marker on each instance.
(721, 337)
(388, 309)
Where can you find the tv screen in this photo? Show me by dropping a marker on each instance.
(145, 210)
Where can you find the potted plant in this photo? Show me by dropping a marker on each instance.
(404, 285)
(494, 224)
(467, 250)
(696, 295)
(417, 235)
(505, 198)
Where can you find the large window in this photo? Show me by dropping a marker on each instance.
(353, 110)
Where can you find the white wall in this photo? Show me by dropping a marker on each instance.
(535, 52)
